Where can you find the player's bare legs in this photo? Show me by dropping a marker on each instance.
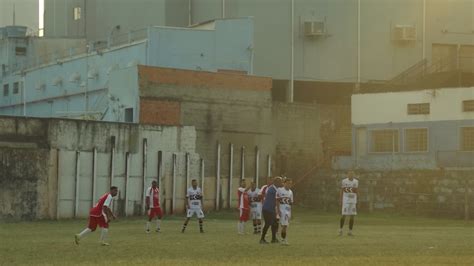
(341, 224)
(158, 224)
(201, 222)
(186, 221)
(283, 234)
(351, 225)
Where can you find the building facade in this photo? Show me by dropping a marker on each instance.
(427, 129)
(342, 41)
(63, 77)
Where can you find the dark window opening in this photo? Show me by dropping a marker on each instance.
(20, 50)
(129, 115)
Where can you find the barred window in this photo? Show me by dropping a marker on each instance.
(16, 87)
(6, 89)
(467, 138)
(416, 139)
(418, 108)
(77, 13)
(468, 106)
(384, 140)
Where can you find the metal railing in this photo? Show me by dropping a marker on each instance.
(58, 56)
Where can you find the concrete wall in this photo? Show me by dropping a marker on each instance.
(425, 192)
(445, 104)
(58, 168)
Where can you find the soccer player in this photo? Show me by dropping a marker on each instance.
(100, 215)
(194, 205)
(264, 188)
(284, 199)
(255, 208)
(153, 206)
(269, 211)
(348, 199)
(244, 206)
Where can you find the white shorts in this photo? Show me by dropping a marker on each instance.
(198, 212)
(349, 208)
(256, 212)
(285, 216)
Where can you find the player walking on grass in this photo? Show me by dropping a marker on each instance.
(194, 205)
(244, 206)
(269, 211)
(153, 206)
(284, 201)
(255, 208)
(348, 199)
(100, 215)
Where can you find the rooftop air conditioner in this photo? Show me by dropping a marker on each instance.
(404, 33)
(75, 78)
(57, 82)
(40, 85)
(314, 28)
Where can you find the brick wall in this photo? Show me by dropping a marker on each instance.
(160, 111)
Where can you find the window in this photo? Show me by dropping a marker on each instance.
(129, 115)
(384, 140)
(16, 87)
(416, 140)
(77, 13)
(467, 138)
(418, 108)
(468, 106)
(20, 50)
(5, 89)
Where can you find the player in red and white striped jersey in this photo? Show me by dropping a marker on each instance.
(153, 208)
(100, 215)
(244, 206)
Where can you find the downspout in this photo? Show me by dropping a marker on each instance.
(424, 30)
(292, 70)
(223, 9)
(190, 14)
(358, 44)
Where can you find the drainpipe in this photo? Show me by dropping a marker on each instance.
(23, 88)
(358, 44)
(190, 14)
(292, 71)
(223, 9)
(424, 30)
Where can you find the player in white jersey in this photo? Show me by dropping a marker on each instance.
(255, 208)
(284, 200)
(194, 205)
(348, 199)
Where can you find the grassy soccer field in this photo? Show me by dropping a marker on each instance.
(379, 240)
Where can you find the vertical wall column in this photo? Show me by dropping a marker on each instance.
(112, 162)
(242, 162)
(269, 165)
(188, 159)
(144, 165)
(218, 176)
(160, 172)
(231, 173)
(257, 165)
(173, 199)
(94, 175)
(77, 183)
(202, 175)
(127, 178)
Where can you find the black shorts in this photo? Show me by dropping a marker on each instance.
(269, 217)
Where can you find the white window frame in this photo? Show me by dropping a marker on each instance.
(77, 13)
(461, 139)
(405, 150)
(369, 141)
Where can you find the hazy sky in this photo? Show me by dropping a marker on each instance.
(26, 13)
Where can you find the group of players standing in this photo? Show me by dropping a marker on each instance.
(272, 201)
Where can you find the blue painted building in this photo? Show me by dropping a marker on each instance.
(426, 129)
(71, 78)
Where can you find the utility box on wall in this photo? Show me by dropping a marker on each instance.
(314, 28)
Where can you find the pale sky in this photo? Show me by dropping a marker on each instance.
(26, 13)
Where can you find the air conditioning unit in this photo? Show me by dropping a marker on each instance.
(314, 28)
(404, 33)
(57, 82)
(75, 77)
(40, 85)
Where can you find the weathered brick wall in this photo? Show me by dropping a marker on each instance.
(160, 112)
(437, 193)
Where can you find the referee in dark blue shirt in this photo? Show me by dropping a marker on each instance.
(269, 210)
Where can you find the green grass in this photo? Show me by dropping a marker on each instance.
(380, 239)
